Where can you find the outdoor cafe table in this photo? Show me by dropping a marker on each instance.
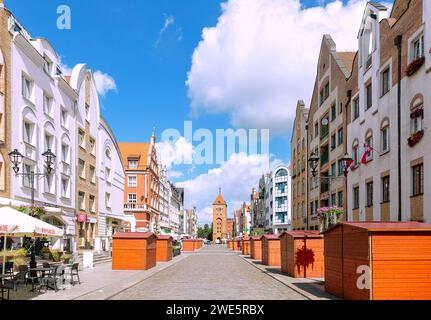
(40, 275)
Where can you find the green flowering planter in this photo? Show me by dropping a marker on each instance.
(329, 217)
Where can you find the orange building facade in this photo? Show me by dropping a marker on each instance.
(141, 194)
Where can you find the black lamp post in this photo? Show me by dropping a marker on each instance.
(314, 162)
(16, 158)
(347, 162)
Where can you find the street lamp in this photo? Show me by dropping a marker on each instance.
(314, 162)
(16, 158)
(347, 162)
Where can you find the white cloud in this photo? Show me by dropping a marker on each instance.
(174, 174)
(236, 177)
(170, 153)
(261, 58)
(169, 20)
(104, 83)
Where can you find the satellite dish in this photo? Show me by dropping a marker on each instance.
(325, 122)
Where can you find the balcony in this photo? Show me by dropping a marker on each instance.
(324, 132)
(135, 207)
(324, 159)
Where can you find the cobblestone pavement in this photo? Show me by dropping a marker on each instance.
(213, 273)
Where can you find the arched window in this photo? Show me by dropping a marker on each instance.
(281, 173)
(355, 152)
(384, 136)
(108, 153)
(369, 143)
(417, 114)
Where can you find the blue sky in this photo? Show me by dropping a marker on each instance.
(150, 64)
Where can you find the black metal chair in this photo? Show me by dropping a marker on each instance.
(8, 268)
(54, 278)
(19, 279)
(74, 272)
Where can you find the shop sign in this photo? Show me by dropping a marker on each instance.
(82, 217)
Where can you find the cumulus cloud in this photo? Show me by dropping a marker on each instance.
(104, 83)
(261, 58)
(236, 177)
(173, 153)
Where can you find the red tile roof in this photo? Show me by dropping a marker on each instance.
(219, 200)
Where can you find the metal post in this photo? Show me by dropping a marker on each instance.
(32, 190)
(398, 42)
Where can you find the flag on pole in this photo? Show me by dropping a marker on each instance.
(367, 152)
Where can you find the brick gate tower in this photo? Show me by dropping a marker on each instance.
(219, 219)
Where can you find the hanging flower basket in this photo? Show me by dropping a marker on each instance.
(414, 66)
(415, 138)
(329, 217)
(418, 113)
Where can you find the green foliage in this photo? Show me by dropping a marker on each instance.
(16, 256)
(66, 257)
(205, 232)
(36, 212)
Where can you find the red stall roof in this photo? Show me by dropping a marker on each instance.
(256, 237)
(303, 234)
(389, 226)
(271, 236)
(133, 235)
(164, 237)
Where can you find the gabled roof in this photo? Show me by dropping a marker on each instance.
(137, 150)
(219, 200)
(302, 234)
(347, 58)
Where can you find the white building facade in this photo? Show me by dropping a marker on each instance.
(374, 187)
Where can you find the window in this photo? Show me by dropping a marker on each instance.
(418, 179)
(48, 183)
(81, 138)
(356, 109)
(132, 198)
(92, 146)
(316, 130)
(108, 153)
(92, 204)
(419, 48)
(385, 189)
(333, 199)
(27, 88)
(385, 145)
(340, 199)
(356, 198)
(65, 153)
(341, 108)
(326, 91)
(369, 195)
(369, 142)
(340, 137)
(108, 200)
(26, 178)
(333, 112)
(28, 132)
(65, 183)
(108, 175)
(63, 118)
(81, 200)
(333, 141)
(333, 169)
(341, 167)
(133, 164)
(47, 66)
(81, 168)
(369, 92)
(87, 112)
(49, 141)
(92, 172)
(47, 105)
(417, 118)
(385, 81)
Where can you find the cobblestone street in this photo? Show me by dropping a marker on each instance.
(213, 273)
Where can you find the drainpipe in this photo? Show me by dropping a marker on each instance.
(349, 100)
(397, 42)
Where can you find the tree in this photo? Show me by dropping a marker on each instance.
(205, 232)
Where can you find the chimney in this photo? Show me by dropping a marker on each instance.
(153, 136)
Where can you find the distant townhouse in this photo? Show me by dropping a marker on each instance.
(326, 132)
(164, 201)
(230, 228)
(176, 207)
(141, 195)
(390, 150)
(192, 223)
(299, 168)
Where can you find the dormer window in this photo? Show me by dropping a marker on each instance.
(133, 164)
(47, 66)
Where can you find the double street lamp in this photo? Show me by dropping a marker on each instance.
(16, 158)
(314, 163)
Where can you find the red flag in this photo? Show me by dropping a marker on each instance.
(349, 163)
(367, 152)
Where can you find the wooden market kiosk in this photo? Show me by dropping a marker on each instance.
(164, 250)
(246, 246)
(271, 250)
(393, 258)
(134, 251)
(256, 247)
(302, 254)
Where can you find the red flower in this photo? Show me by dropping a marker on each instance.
(414, 66)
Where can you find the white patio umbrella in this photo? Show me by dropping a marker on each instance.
(17, 224)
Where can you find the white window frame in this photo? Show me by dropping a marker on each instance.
(47, 105)
(27, 87)
(132, 198)
(134, 166)
(132, 185)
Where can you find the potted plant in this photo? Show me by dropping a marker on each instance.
(45, 253)
(329, 217)
(67, 257)
(414, 66)
(415, 138)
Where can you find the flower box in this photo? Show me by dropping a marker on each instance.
(329, 217)
(415, 138)
(414, 66)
